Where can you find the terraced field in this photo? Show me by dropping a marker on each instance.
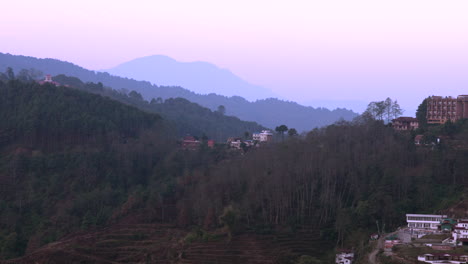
(165, 244)
(141, 243)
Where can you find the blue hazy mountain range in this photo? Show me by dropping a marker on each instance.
(199, 77)
(268, 112)
(356, 105)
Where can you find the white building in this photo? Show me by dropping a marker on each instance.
(443, 258)
(422, 221)
(460, 231)
(344, 257)
(264, 136)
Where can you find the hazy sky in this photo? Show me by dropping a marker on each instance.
(303, 50)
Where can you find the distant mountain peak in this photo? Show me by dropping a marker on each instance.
(197, 76)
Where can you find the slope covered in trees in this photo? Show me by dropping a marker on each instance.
(67, 159)
(45, 114)
(186, 117)
(89, 167)
(268, 112)
(363, 171)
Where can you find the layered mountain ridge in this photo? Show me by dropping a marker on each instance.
(267, 112)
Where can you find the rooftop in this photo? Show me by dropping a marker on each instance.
(405, 119)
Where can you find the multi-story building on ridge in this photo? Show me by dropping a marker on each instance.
(441, 109)
(422, 221)
(460, 231)
(405, 123)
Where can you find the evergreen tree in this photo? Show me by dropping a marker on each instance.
(281, 130)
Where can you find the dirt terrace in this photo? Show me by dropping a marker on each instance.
(164, 244)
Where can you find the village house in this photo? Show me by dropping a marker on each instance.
(390, 242)
(442, 246)
(264, 136)
(443, 258)
(344, 257)
(418, 139)
(210, 143)
(447, 225)
(422, 221)
(405, 123)
(249, 143)
(236, 144)
(460, 232)
(191, 143)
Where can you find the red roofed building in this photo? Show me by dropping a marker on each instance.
(211, 143)
(405, 123)
(190, 142)
(418, 139)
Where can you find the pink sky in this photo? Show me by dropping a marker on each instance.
(302, 50)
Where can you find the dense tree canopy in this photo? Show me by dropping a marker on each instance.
(384, 110)
(268, 112)
(421, 114)
(71, 160)
(186, 117)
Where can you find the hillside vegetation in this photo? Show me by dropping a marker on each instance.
(67, 159)
(268, 112)
(95, 163)
(186, 117)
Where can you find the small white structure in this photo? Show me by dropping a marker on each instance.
(443, 258)
(344, 257)
(236, 144)
(264, 136)
(423, 221)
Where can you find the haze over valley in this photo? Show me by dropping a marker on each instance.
(232, 132)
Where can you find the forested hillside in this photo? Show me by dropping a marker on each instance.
(50, 117)
(73, 161)
(77, 163)
(341, 178)
(186, 117)
(269, 113)
(67, 160)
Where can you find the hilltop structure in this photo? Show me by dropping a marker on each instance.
(423, 221)
(264, 136)
(48, 79)
(441, 109)
(405, 123)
